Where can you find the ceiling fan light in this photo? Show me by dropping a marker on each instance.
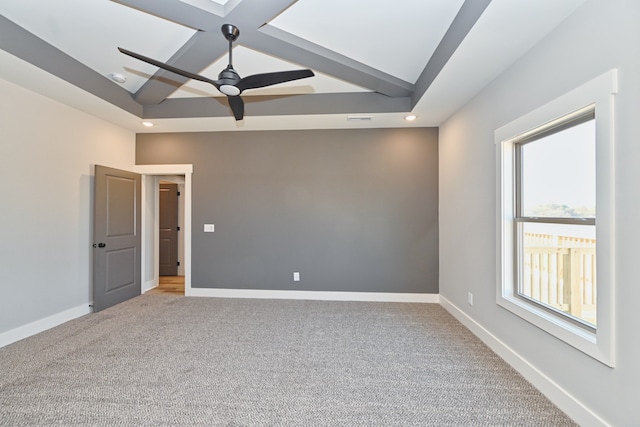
(229, 90)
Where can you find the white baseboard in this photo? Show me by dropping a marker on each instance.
(312, 295)
(148, 285)
(559, 396)
(41, 325)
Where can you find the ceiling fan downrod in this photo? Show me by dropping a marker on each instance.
(231, 33)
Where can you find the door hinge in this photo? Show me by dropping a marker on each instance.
(178, 193)
(177, 228)
(178, 263)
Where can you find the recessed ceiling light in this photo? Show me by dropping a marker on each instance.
(147, 124)
(117, 77)
(410, 118)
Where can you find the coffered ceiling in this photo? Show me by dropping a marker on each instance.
(374, 60)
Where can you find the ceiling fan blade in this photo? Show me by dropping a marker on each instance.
(268, 79)
(237, 106)
(168, 67)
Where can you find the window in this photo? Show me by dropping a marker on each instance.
(555, 217)
(555, 201)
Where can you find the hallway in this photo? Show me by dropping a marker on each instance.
(169, 285)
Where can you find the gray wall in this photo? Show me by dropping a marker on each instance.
(351, 210)
(598, 37)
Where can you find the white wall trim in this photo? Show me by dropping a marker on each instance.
(148, 285)
(163, 169)
(41, 325)
(598, 94)
(154, 171)
(554, 392)
(313, 295)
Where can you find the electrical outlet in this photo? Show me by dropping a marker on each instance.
(470, 298)
(296, 276)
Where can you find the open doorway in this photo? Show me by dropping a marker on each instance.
(153, 176)
(170, 235)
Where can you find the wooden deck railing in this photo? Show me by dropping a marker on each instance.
(560, 271)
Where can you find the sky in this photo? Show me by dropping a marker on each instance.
(561, 168)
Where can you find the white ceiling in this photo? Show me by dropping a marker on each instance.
(391, 41)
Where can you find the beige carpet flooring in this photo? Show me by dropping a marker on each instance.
(167, 360)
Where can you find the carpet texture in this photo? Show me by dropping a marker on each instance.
(168, 360)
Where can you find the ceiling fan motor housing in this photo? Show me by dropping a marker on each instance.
(227, 79)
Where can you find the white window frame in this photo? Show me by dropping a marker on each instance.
(598, 94)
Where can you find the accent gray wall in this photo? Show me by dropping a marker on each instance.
(351, 210)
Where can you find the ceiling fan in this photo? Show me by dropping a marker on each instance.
(229, 82)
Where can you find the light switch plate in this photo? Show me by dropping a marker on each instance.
(209, 228)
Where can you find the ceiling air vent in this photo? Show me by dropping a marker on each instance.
(359, 118)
